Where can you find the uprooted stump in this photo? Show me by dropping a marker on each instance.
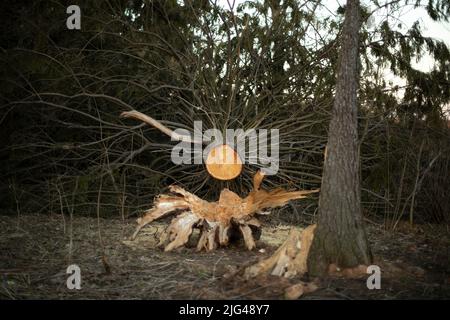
(290, 259)
(215, 220)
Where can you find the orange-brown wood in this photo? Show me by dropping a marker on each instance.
(215, 219)
(223, 163)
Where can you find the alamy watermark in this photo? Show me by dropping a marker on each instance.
(74, 280)
(73, 22)
(374, 280)
(252, 147)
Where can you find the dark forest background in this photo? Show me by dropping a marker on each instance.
(265, 64)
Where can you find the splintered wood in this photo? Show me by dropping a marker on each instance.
(290, 259)
(215, 220)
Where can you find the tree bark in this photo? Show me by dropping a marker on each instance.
(340, 237)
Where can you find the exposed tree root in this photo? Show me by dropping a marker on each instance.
(216, 220)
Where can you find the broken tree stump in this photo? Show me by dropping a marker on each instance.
(215, 220)
(290, 258)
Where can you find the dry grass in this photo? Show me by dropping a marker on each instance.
(35, 251)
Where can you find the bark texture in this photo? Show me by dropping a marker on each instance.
(340, 237)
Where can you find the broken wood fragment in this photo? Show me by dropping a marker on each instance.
(297, 290)
(290, 258)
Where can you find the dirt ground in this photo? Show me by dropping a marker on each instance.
(36, 250)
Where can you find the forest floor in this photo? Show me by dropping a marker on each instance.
(35, 251)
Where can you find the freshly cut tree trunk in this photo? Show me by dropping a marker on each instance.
(222, 162)
(216, 220)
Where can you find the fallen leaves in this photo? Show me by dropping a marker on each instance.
(297, 290)
(352, 273)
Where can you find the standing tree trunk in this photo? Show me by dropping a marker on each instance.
(340, 237)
